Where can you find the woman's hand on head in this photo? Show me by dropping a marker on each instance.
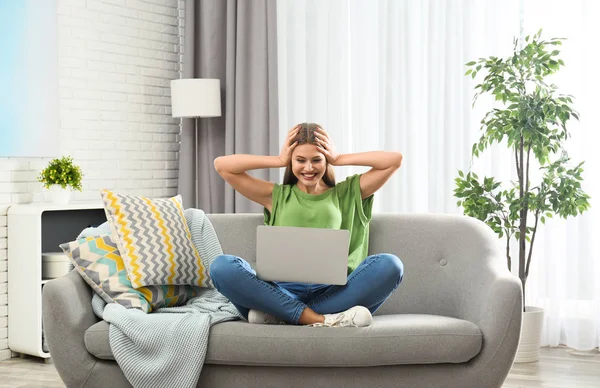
(288, 146)
(326, 146)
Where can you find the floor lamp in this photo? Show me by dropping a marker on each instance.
(196, 98)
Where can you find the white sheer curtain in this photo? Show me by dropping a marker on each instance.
(389, 74)
(565, 270)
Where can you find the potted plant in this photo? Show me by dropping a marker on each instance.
(532, 122)
(61, 176)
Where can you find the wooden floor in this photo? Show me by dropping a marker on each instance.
(557, 368)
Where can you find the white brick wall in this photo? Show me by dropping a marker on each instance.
(116, 59)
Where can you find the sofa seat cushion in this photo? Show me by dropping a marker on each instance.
(391, 340)
(96, 341)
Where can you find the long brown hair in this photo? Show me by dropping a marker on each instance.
(306, 135)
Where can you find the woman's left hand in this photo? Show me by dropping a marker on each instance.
(326, 146)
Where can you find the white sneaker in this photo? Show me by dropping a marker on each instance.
(256, 316)
(357, 316)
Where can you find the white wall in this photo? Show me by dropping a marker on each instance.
(116, 58)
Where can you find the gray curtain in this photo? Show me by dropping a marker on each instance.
(235, 41)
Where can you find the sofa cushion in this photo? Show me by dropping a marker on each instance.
(96, 341)
(154, 240)
(391, 340)
(98, 261)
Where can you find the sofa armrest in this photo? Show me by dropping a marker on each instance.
(493, 301)
(67, 313)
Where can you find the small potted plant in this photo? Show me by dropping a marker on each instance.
(61, 176)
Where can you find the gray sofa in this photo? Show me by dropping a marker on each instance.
(453, 322)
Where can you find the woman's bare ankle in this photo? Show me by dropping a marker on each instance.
(308, 317)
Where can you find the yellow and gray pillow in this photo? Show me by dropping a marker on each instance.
(154, 241)
(98, 261)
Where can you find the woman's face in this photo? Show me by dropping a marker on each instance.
(308, 164)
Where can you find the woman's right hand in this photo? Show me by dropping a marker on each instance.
(288, 146)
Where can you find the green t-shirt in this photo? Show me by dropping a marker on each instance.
(340, 207)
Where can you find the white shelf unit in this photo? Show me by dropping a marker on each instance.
(33, 229)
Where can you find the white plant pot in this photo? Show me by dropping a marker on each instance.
(59, 195)
(531, 335)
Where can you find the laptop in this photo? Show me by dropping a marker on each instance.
(302, 255)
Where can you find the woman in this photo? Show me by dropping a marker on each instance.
(309, 197)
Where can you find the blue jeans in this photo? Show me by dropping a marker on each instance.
(369, 285)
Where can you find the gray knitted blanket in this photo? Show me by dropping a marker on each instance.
(167, 348)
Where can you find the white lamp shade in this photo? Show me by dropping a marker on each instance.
(196, 97)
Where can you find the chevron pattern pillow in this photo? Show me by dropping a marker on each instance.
(154, 240)
(99, 263)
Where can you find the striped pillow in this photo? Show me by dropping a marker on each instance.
(99, 263)
(154, 240)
